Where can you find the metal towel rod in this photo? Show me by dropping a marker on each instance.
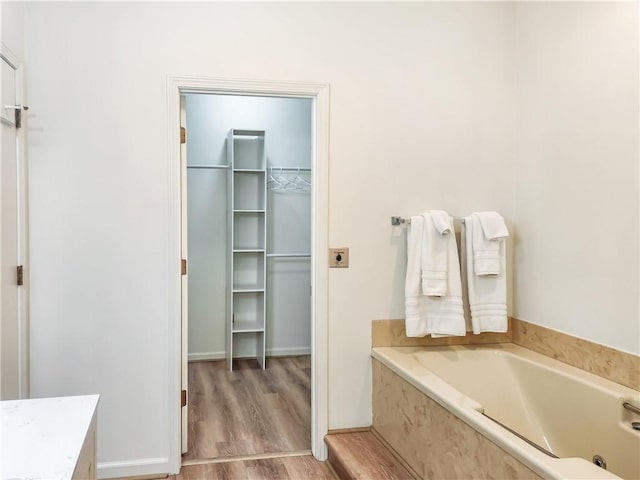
(407, 221)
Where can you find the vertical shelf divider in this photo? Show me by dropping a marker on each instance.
(247, 241)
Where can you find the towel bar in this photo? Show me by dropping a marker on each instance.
(407, 221)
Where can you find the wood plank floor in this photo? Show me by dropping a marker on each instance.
(360, 455)
(283, 468)
(249, 411)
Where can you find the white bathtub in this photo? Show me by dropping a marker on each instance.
(568, 412)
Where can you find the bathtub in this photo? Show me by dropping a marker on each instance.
(551, 417)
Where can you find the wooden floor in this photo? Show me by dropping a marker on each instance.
(249, 411)
(285, 468)
(360, 455)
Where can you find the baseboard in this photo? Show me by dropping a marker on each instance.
(271, 352)
(146, 467)
(205, 356)
(288, 352)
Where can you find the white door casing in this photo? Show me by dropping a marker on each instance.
(14, 361)
(185, 279)
(319, 93)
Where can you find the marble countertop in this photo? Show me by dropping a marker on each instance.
(41, 438)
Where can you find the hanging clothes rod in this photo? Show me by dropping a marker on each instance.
(288, 255)
(407, 221)
(208, 166)
(290, 169)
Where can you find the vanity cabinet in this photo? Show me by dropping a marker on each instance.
(49, 438)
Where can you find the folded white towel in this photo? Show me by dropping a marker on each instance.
(435, 253)
(487, 293)
(488, 232)
(424, 315)
(493, 225)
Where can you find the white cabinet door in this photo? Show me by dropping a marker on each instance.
(13, 313)
(9, 332)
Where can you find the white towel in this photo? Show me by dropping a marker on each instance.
(487, 293)
(488, 234)
(424, 315)
(414, 325)
(435, 253)
(493, 225)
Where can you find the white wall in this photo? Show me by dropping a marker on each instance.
(287, 122)
(422, 116)
(12, 27)
(576, 182)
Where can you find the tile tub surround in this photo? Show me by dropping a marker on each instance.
(606, 362)
(442, 433)
(391, 333)
(434, 442)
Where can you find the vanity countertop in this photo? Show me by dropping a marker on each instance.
(41, 438)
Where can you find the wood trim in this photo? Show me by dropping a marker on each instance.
(320, 272)
(391, 333)
(606, 362)
(338, 431)
(140, 477)
(242, 458)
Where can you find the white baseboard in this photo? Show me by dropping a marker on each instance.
(272, 352)
(202, 356)
(134, 468)
(288, 352)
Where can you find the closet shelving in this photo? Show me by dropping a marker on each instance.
(247, 240)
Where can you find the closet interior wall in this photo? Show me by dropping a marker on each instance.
(287, 122)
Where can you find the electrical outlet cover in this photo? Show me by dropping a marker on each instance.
(339, 257)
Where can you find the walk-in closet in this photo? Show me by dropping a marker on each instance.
(248, 236)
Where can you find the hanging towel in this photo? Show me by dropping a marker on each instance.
(487, 293)
(414, 322)
(487, 239)
(424, 315)
(435, 253)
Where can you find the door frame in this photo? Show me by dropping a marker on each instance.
(319, 93)
(23, 227)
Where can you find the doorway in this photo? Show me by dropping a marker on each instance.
(248, 237)
(318, 94)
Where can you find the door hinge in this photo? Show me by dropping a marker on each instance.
(183, 135)
(183, 267)
(17, 112)
(183, 398)
(20, 275)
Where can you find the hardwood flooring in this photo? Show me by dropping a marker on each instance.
(360, 455)
(249, 411)
(281, 468)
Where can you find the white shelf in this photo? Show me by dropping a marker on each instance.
(214, 167)
(247, 235)
(248, 327)
(248, 289)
